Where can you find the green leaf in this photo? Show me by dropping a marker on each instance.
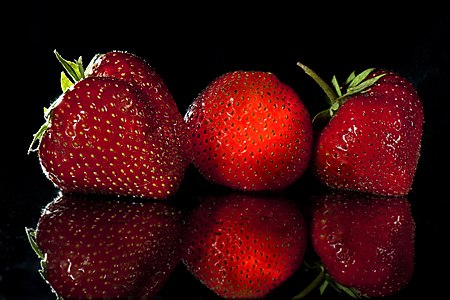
(350, 78)
(31, 234)
(322, 117)
(39, 134)
(74, 69)
(360, 77)
(318, 281)
(37, 138)
(66, 83)
(323, 287)
(364, 85)
(80, 70)
(352, 292)
(349, 291)
(334, 107)
(336, 86)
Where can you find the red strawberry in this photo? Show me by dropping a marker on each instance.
(365, 242)
(372, 142)
(244, 245)
(109, 135)
(250, 131)
(141, 75)
(107, 248)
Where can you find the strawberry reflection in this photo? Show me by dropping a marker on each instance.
(365, 243)
(244, 245)
(96, 247)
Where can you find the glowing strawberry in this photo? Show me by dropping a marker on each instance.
(250, 131)
(115, 130)
(372, 141)
(103, 248)
(243, 245)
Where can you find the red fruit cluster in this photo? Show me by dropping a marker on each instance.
(116, 130)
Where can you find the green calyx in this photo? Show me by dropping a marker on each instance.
(338, 94)
(31, 234)
(75, 72)
(324, 280)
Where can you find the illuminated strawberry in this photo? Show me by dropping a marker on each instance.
(250, 131)
(243, 245)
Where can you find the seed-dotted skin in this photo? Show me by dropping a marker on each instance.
(107, 248)
(250, 132)
(365, 241)
(142, 76)
(102, 139)
(244, 246)
(373, 142)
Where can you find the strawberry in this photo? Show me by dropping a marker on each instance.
(365, 243)
(371, 137)
(136, 71)
(250, 132)
(107, 248)
(244, 245)
(116, 130)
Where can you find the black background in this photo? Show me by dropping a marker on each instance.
(190, 46)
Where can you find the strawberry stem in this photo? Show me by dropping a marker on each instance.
(325, 87)
(355, 84)
(313, 285)
(332, 96)
(322, 281)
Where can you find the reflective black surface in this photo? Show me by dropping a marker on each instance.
(188, 57)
